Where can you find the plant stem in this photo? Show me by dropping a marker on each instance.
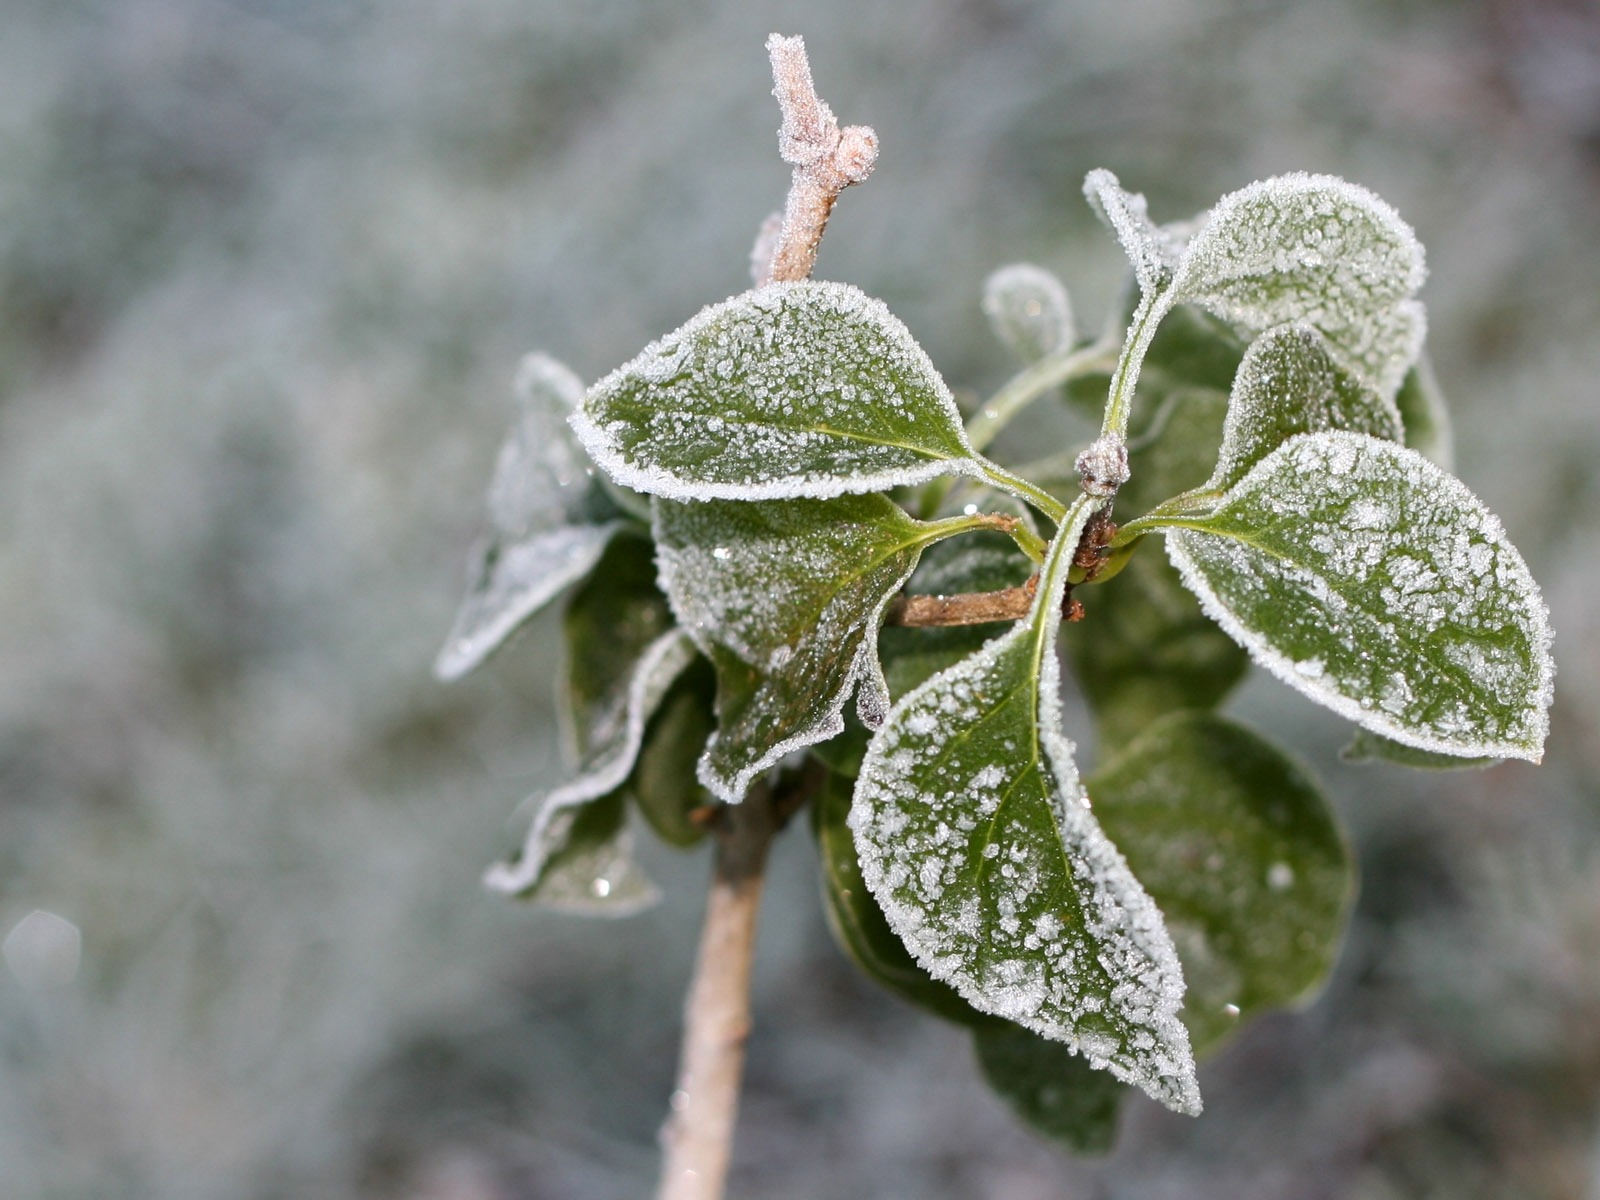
(697, 1139)
(1029, 384)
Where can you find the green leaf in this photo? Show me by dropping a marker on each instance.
(974, 835)
(1029, 310)
(548, 521)
(622, 657)
(1367, 747)
(588, 866)
(663, 783)
(1290, 383)
(785, 599)
(1425, 416)
(1367, 578)
(1051, 1088)
(1146, 648)
(858, 923)
(1236, 844)
(797, 389)
(1313, 249)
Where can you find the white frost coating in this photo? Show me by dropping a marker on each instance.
(1153, 252)
(542, 536)
(605, 768)
(1030, 311)
(1290, 383)
(786, 600)
(794, 390)
(1052, 932)
(1418, 621)
(1317, 249)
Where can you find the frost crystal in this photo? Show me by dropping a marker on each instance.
(797, 389)
(547, 524)
(975, 836)
(1377, 584)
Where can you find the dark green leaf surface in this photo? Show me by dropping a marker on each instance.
(1052, 1089)
(974, 835)
(1424, 415)
(797, 389)
(981, 562)
(858, 923)
(1361, 574)
(549, 521)
(664, 784)
(1146, 648)
(785, 598)
(1236, 844)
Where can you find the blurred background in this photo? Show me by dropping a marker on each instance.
(266, 270)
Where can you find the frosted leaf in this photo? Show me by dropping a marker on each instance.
(1153, 251)
(1029, 310)
(785, 599)
(586, 867)
(1424, 415)
(1050, 929)
(858, 923)
(1366, 747)
(1234, 841)
(616, 732)
(1056, 1092)
(1289, 383)
(796, 389)
(622, 657)
(548, 521)
(1377, 584)
(1313, 249)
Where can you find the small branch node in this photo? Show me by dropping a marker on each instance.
(1103, 467)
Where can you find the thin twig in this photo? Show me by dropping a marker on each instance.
(826, 160)
(965, 608)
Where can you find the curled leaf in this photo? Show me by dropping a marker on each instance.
(548, 521)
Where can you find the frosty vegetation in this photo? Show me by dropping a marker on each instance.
(798, 453)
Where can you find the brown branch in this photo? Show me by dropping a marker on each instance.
(697, 1139)
(966, 608)
(826, 160)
